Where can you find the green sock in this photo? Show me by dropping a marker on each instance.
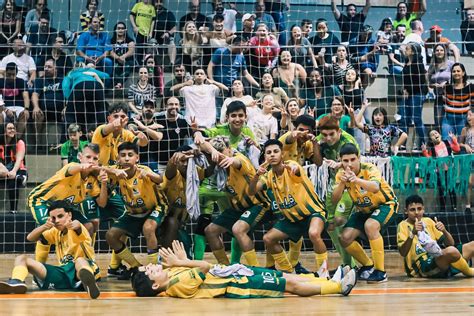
(235, 252)
(184, 237)
(199, 246)
(345, 257)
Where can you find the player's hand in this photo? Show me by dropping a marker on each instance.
(216, 156)
(169, 257)
(143, 173)
(250, 142)
(141, 136)
(88, 167)
(226, 162)
(117, 124)
(332, 164)
(121, 173)
(73, 225)
(439, 225)
(292, 169)
(299, 134)
(418, 226)
(49, 224)
(262, 169)
(103, 177)
(179, 251)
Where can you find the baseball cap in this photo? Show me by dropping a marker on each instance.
(247, 16)
(436, 28)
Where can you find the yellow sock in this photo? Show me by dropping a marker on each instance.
(462, 266)
(115, 261)
(313, 279)
(294, 251)
(270, 261)
(330, 287)
(221, 256)
(320, 258)
(94, 235)
(20, 273)
(282, 262)
(251, 258)
(41, 252)
(127, 256)
(152, 258)
(378, 254)
(356, 250)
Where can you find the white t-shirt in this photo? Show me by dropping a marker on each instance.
(262, 126)
(229, 19)
(246, 99)
(200, 102)
(25, 64)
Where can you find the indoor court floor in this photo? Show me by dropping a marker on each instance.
(399, 296)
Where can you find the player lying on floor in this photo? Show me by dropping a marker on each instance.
(418, 239)
(74, 251)
(185, 278)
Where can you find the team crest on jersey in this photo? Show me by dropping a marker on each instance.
(135, 191)
(70, 199)
(135, 182)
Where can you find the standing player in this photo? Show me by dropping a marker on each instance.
(72, 183)
(299, 204)
(145, 207)
(419, 260)
(374, 204)
(74, 252)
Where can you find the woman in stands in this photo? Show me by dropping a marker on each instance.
(267, 87)
(325, 43)
(289, 75)
(339, 66)
(91, 12)
(140, 92)
(12, 163)
(263, 50)
(123, 50)
(33, 16)
(300, 48)
(191, 50)
(10, 26)
(289, 114)
(155, 73)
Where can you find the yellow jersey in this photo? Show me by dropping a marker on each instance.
(295, 195)
(63, 186)
(364, 201)
(141, 196)
(294, 152)
(417, 252)
(109, 144)
(69, 246)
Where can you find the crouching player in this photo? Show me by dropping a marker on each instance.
(421, 258)
(198, 279)
(74, 252)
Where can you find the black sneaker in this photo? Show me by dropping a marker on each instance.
(116, 272)
(299, 269)
(364, 272)
(13, 286)
(377, 276)
(88, 282)
(127, 274)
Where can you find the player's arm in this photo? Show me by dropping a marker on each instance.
(406, 245)
(36, 233)
(368, 185)
(154, 177)
(104, 194)
(177, 257)
(338, 189)
(448, 238)
(75, 169)
(317, 156)
(116, 124)
(256, 185)
(76, 227)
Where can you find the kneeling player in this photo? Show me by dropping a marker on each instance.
(198, 279)
(420, 260)
(74, 251)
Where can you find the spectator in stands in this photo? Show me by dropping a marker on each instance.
(467, 142)
(25, 64)
(165, 29)
(467, 31)
(248, 24)
(406, 18)
(338, 112)
(458, 101)
(229, 15)
(10, 26)
(277, 10)
(142, 19)
(339, 65)
(16, 98)
(417, 30)
(155, 73)
(262, 123)
(263, 52)
(289, 75)
(219, 36)
(435, 38)
(396, 60)
(306, 27)
(289, 114)
(414, 90)
(33, 16)
(300, 48)
(94, 47)
(267, 87)
(365, 54)
(352, 22)
(317, 95)
(194, 15)
(123, 50)
(83, 88)
(228, 64)
(12, 163)
(179, 76)
(191, 51)
(385, 33)
(324, 43)
(238, 94)
(140, 92)
(261, 16)
(439, 75)
(92, 12)
(73, 146)
(200, 99)
(61, 58)
(40, 41)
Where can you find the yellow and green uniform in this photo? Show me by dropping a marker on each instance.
(89, 207)
(109, 144)
(144, 15)
(294, 152)
(61, 186)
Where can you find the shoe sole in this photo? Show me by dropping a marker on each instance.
(377, 282)
(350, 287)
(88, 282)
(6, 288)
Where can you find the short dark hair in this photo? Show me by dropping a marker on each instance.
(11, 66)
(415, 198)
(143, 286)
(218, 17)
(93, 147)
(235, 106)
(128, 146)
(118, 107)
(64, 204)
(306, 21)
(149, 103)
(348, 149)
(237, 40)
(307, 120)
(271, 142)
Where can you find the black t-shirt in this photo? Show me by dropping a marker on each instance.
(12, 91)
(414, 79)
(63, 64)
(174, 135)
(164, 22)
(41, 43)
(121, 48)
(350, 27)
(50, 92)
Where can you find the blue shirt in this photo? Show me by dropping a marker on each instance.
(227, 66)
(94, 45)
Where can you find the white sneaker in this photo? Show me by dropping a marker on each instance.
(348, 282)
(338, 275)
(323, 271)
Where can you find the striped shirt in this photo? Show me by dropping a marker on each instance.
(139, 95)
(458, 101)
